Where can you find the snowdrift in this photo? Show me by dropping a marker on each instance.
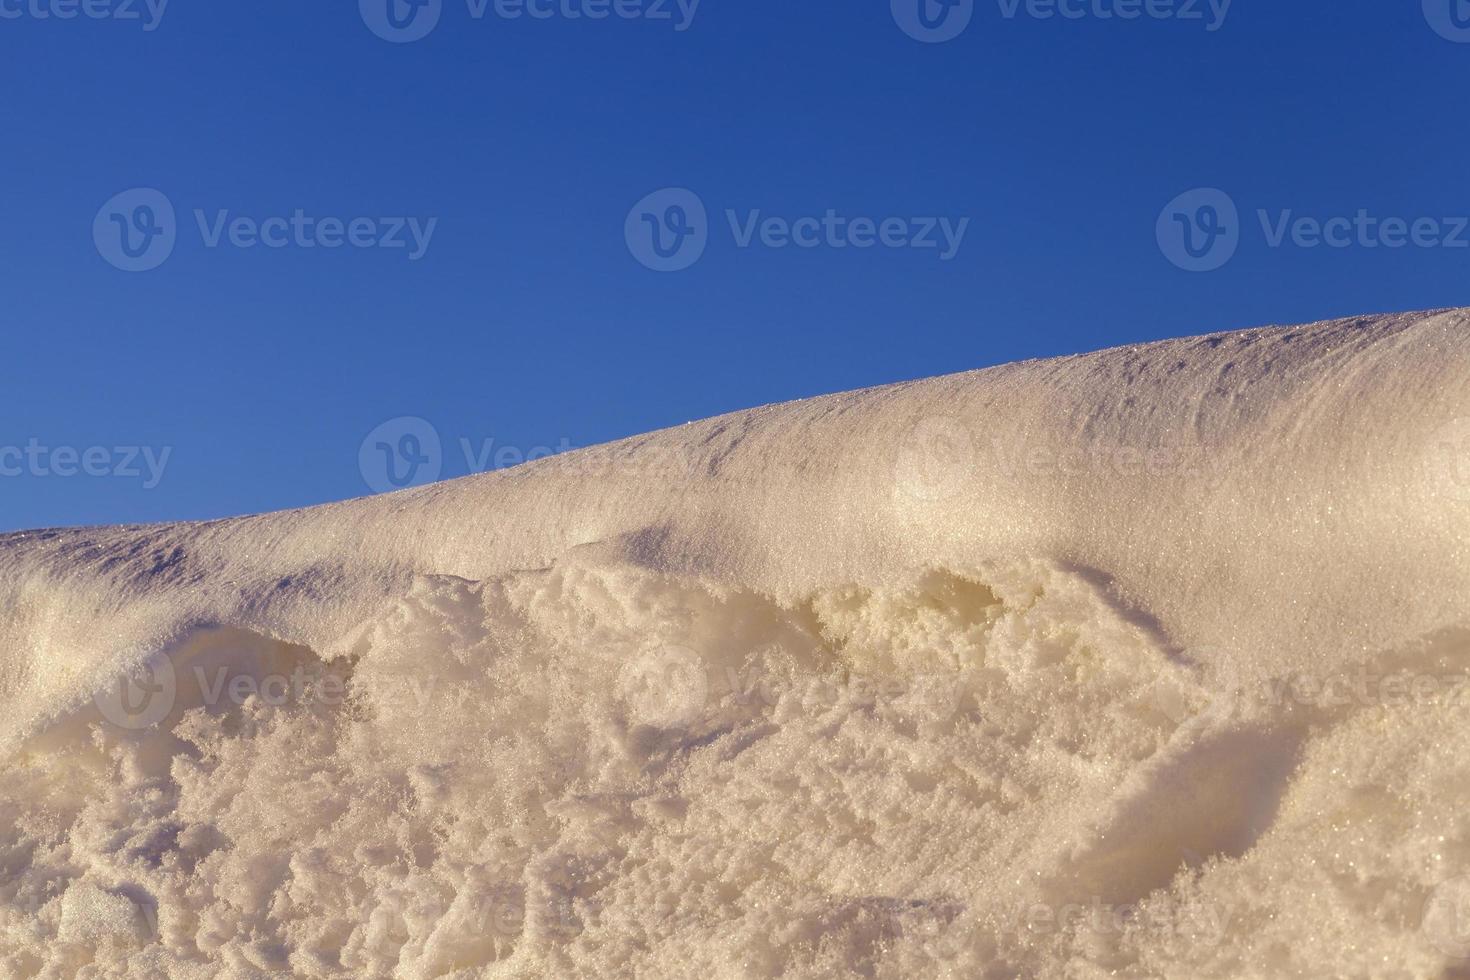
(1150, 662)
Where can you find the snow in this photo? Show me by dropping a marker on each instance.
(1149, 662)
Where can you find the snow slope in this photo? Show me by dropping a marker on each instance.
(1146, 662)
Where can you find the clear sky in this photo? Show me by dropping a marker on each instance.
(469, 216)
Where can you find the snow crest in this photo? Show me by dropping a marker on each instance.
(1151, 662)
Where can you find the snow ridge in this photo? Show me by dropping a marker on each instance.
(1147, 660)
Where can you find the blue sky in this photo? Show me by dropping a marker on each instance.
(454, 220)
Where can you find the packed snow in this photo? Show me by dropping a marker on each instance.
(1150, 662)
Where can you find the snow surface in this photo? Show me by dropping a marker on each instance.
(1148, 662)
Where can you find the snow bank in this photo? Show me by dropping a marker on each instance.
(1147, 662)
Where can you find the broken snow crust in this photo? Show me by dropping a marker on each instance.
(1146, 661)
